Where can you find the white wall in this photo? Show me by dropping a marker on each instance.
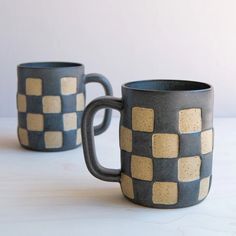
(125, 40)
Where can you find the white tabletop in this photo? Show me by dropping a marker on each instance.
(54, 194)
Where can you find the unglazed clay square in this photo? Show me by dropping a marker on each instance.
(165, 193)
(23, 136)
(127, 186)
(33, 86)
(189, 168)
(190, 120)
(206, 141)
(141, 168)
(142, 119)
(21, 103)
(70, 121)
(68, 85)
(78, 137)
(51, 104)
(125, 139)
(165, 145)
(35, 122)
(80, 102)
(53, 139)
(204, 188)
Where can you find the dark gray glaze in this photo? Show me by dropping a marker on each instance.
(166, 98)
(50, 74)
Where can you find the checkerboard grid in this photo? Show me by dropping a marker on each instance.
(51, 104)
(60, 132)
(126, 145)
(25, 133)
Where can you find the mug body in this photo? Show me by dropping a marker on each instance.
(50, 102)
(166, 141)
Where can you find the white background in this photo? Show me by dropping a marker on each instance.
(125, 40)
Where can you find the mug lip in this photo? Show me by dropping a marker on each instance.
(209, 87)
(49, 65)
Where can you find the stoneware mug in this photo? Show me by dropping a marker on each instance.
(166, 142)
(50, 103)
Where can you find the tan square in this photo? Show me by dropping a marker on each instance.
(127, 186)
(142, 119)
(23, 136)
(51, 104)
(78, 137)
(189, 168)
(53, 139)
(80, 102)
(206, 141)
(70, 121)
(34, 86)
(35, 122)
(190, 120)
(165, 193)
(68, 85)
(204, 188)
(141, 168)
(165, 145)
(21, 103)
(125, 139)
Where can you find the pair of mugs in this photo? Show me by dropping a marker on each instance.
(166, 130)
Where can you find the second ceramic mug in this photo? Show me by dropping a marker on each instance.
(166, 142)
(50, 103)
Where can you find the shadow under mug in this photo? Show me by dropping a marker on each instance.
(166, 142)
(50, 104)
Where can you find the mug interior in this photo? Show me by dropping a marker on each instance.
(42, 65)
(167, 85)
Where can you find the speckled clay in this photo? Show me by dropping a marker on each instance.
(50, 104)
(166, 142)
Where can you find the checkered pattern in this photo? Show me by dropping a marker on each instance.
(165, 169)
(49, 114)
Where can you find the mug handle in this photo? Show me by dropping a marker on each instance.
(100, 172)
(98, 78)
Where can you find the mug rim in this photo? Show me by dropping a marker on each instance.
(49, 65)
(208, 87)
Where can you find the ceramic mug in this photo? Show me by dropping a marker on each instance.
(166, 142)
(50, 103)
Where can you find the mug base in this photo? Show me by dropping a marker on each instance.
(162, 206)
(51, 149)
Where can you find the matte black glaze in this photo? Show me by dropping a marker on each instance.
(88, 141)
(50, 74)
(166, 99)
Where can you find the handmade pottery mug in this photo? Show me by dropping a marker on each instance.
(166, 142)
(50, 103)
